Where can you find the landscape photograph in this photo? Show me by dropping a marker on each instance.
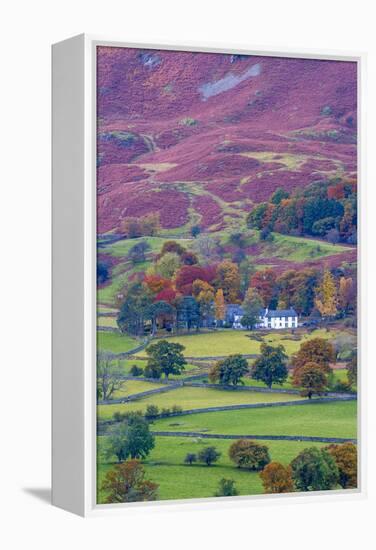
(226, 275)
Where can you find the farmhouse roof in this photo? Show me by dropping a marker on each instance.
(281, 313)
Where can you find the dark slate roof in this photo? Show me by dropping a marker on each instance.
(281, 313)
(234, 309)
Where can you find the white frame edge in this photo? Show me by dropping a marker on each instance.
(74, 264)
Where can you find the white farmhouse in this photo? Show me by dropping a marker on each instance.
(278, 319)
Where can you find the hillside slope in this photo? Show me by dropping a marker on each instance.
(201, 138)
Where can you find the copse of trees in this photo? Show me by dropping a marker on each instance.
(229, 371)
(148, 225)
(325, 209)
(314, 470)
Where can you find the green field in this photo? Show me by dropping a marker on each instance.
(132, 387)
(165, 466)
(190, 398)
(228, 341)
(106, 321)
(115, 342)
(318, 419)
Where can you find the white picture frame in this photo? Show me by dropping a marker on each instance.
(74, 278)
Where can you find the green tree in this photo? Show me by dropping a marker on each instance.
(135, 309)
(126, 483)
(190, 458)
(278, 195)
(252, 304)
(132, 439)
(248, 454)
(195, 231)
(314, 470)
(229, 371)
(166, 357)
(137, 252)
(209, 455)
(188, 312)
(271, 366)
(226, 488)
(167, 265)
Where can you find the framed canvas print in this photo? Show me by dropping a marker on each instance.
(206, 319)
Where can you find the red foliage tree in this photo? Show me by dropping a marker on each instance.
(187, 275)
(265, 283)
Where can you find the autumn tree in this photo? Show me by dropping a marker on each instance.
(126, 483)
(271, 366)
(264, 282)
(208, 455)
(316, 350)
(346, 294)
(167, 357)
(326, 295)
(346, 458)
(204, 294)
(156, 283)
(277, 478)
(187, 275)
(311, 378)
(167, 265)
(172, 247)
(314, 470)
(228, 279)
(109, 376)
(229, 371)
(219, 305)
(248, 454)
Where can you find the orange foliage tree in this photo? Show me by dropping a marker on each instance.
(345, 456)
(277, 478)
(228, 278)
(311, 378)
(317, 350)
(126, 483)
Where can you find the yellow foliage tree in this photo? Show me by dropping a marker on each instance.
(326, 295)
(345, 292)
(219, 305)
(229, 280)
